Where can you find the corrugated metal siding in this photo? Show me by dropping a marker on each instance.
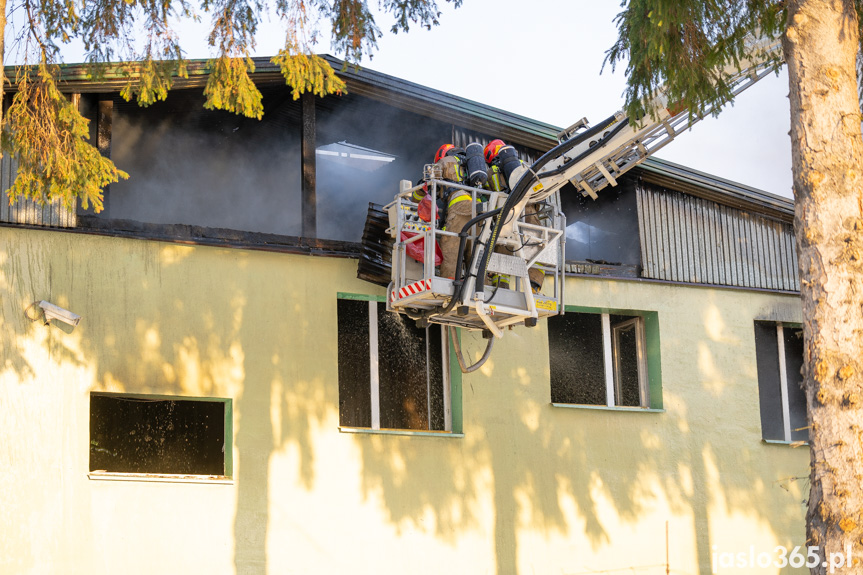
(689, 239)
(28, 211)
(461, 137)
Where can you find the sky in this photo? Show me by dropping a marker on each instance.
(543, 59)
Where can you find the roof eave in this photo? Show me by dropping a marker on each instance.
(361, 81)
(709, 187)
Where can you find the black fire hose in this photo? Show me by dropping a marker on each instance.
(457, 285)
(458, 269)
(524, 183)
(581, 156)
(514, 198)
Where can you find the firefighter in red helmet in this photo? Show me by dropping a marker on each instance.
(497, 183)
(455, 205)
(449, 158)
(443, 152)
(491, 150)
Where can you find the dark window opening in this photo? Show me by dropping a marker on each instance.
(604, 230)
(629, 389)
(598, 359)
(364, 149)
(576, 359)
(391, 373)
(782, 400)
(210, 168)
(157, 436)
(355, 402)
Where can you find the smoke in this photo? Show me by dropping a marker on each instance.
(364, 128)
(211, 168)
(208, 168)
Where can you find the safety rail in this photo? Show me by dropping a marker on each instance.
(419, 292)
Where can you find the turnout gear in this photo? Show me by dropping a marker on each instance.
(458, 213)
(494, 180)
(452, 169)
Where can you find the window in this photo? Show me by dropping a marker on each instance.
(604, 230)
(392, 375)
(779, 353)
(209, 168)
(605, 359)
(156, 435)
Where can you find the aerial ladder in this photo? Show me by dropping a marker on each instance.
(589, 158)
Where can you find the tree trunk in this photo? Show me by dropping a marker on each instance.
(2, 60)
(827, 154)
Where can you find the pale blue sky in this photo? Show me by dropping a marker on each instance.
(542, 59)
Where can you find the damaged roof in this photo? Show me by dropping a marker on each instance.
(463, 112)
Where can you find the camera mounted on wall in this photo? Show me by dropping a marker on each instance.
(51, 311)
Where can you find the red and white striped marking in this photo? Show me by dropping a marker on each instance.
(414, 288)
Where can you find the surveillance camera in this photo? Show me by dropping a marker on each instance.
(56, 312)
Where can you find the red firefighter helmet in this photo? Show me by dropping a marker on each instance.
(441, 152)
(491, 150)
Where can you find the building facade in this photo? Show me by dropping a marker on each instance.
(234, 400)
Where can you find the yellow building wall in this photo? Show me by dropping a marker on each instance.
(530, 488)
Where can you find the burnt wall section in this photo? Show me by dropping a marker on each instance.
(209, 168)
(692, 240)
(602, 231)
(216, 237)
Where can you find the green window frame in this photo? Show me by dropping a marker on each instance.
(605, 358)
(160, 435)
(369, 380)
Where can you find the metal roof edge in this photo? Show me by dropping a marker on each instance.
(444, 99)
(360, 80)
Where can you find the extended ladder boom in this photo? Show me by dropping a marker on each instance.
(597, 157)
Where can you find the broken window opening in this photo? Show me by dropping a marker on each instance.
(782, 401)
(630, 363)
(143, 435)
(598, 359)
(391, 373)
(365, 147)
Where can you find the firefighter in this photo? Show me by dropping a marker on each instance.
(455, 204)
(496, 182)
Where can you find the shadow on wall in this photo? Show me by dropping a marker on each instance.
(174, 320)
(614, 466)
(23, 281)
